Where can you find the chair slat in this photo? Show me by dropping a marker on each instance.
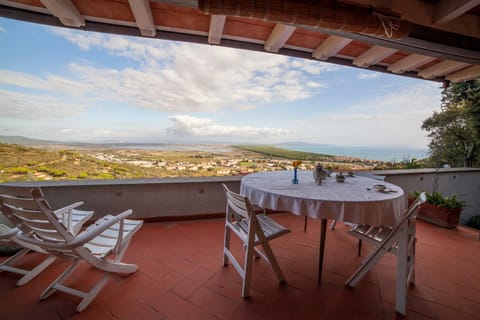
(27, 214)
(18, 202)
(40, 225)
(48, 235)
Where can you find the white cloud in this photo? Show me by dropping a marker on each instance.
(183, 78)
(188, 126)
(177, 77)
(369, 75)
(35, 106)
(52, 83)
(314, 67)
(2, 29)
(393, 119)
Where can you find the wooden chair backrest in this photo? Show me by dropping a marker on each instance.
(237, 205)
(33, 215)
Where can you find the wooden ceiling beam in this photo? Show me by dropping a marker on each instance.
(410, 62)
(442, 68)
(65, 11)
(469, 73)
(143, 17)
(217, 22)
(278, 37)
(422, 13)
(330, 47)
(373, 56)
(447, 15)
(447, 10)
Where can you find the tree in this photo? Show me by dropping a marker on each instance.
(455, 130)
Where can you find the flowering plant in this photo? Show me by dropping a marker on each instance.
(296, 163)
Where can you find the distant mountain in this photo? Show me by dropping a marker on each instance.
(24, 140)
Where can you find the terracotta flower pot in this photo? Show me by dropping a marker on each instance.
(443, 217)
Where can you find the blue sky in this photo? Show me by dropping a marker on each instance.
(72, 85)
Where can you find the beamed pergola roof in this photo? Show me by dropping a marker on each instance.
(428, 39)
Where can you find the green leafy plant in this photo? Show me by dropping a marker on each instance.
(437, 199)
(474, 222)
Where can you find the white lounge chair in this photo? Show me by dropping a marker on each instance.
(102, 245)
(72, 218)
(253, 230)
(399, 240)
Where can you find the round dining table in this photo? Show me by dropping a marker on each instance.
(357, 199)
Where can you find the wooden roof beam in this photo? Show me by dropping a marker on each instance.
(217, 22)
(373, 56)
(143, 17)
(279, 36)
(447, 10)
(446, 15)
(410, 62)
(422, 13)
(442, 68)
(65, 11)
(330, 47)
(469, 73)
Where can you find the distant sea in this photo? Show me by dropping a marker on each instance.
(174, 147)
(372, 153)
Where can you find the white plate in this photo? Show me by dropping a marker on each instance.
(387, 190)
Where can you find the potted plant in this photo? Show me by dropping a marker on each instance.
(438, 209)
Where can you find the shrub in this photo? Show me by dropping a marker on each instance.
(82, 175)
(57, 173)
(106, 176)
(20, 170)
(473, 222)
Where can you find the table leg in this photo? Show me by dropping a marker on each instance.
(323, 233)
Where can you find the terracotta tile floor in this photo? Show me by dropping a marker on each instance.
(181, 277)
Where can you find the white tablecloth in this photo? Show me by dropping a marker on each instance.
(344, 201)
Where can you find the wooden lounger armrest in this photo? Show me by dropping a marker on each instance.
(7, 232)
(66, 214)
(68, 208)
(100, 226)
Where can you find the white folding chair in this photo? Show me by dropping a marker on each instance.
(399, 240)
(102, 245)
(72, 218)
(253, 230)
(360, 174)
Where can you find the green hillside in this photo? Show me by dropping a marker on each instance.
(284, 153)
(23, 140)
(22, 163)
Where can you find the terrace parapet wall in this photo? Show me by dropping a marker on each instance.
(196, 197)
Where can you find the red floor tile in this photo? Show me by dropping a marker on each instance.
(181, 276)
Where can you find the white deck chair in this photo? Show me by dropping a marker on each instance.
(253, 230)
(399, 240)
(360, 174)
(102, 245)
(72, 218)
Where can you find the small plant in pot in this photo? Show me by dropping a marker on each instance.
(438, 209)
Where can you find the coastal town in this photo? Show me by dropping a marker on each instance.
(233, 162)
(63, 162)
